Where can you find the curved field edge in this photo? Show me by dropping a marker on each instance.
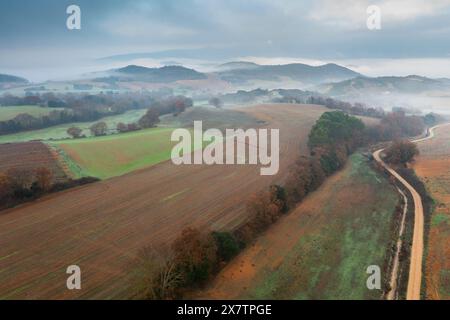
(433, 169)
(9, 112)
(101, 226)
(60, 131)
(115, 155)
(323, 248)
(118, 154)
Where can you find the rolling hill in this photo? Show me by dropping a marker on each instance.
(10, 81)
(237, 65)
(412, 84)
(6, 78)
(295, 72)
(165, 74)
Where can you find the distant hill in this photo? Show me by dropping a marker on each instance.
(384, 85)
(5, 78)
(157, 75)
(237, 65)
(261, 95)
(298, 72)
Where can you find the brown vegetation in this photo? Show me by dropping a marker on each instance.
(106, 223)
(29, 156)
(74, 132)
(155, 275)
(99, 129)
(149, 119)
(401, 152)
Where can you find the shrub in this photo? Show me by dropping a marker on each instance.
(195, 255)
(150, 119)
(99, 128)
(43, 179)
(74, 132)
(216, 102)
(401, 152)
(156, 276)
(227, 245)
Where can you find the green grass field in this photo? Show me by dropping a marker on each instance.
(115, 155)
(8, 113)
(60, 132)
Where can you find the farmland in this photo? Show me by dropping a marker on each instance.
(8, 113)
(211, 118)
(115, 155)
(32, 155)
(101, 226)
(433, 167)
(322, 249)
(60, 131)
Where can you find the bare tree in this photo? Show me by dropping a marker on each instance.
(99, 129)
(401, 152)
(74, 132)
(156, 276)
(149, 119)
(44, 178)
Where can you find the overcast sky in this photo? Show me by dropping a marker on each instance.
(414, 38)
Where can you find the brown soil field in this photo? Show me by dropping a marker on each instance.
(433, 167)
(29, 156)
(101, 226)
(321, 249)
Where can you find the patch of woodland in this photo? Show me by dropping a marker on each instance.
(71, 107)
(18, 185)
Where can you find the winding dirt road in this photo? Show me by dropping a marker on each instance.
(415, 268)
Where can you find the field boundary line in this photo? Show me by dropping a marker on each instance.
(415, 267)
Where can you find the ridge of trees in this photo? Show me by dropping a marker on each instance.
(197, 254)
(19, 185)
(85, 108)
(174, 105)
(401, 152)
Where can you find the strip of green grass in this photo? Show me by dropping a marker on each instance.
(115, 155)
(331, 260)
(8, 113)
(60, 131)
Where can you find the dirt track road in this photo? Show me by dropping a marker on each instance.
(415, 268)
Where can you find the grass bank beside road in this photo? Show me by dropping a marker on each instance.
(322, 249)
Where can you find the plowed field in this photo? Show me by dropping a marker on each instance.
(29, 156)
(101, 226)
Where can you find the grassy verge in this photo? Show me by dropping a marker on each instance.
(8, 113)
(330, 261)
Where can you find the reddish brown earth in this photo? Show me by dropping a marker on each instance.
(433, 167)
(101, 226)
(29, 156)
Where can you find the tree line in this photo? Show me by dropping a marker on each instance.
(172, 105)
(196, 255)
(85, 108)
(18, 185)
